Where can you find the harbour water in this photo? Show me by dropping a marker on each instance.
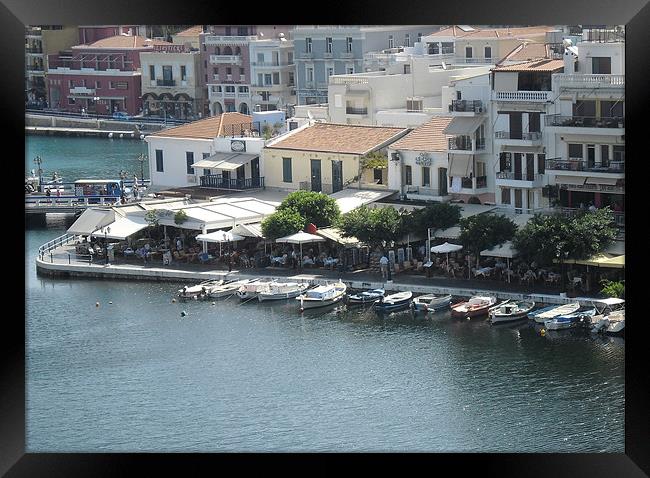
(133, 375)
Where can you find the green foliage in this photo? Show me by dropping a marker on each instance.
(546, 238)
(317, 208)
(435, 216)
(267, 131)
(282, 223)
(612, 289)
(374, 160)
(484, 231)
(153, 217)
(372, 226)
(180, 217)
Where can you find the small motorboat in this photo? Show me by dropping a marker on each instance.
(610, 317)
(475, 306)
(547, 313)
(199, 290)
(228, 289)
(366, 297)
(282, 290)
(252, 289)
(567, 321)
(431, 302)
(393, 302)
(322, 296)
(511, 311)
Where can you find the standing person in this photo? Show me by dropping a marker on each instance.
(179, 244)
(383, 265)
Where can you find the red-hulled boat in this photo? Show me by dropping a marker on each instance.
(477, 305)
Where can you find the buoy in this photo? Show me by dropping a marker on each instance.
(542, 332)
(214, 303)
(110, 302)
(173, 301)
(132, 135)
(141, 136)
(183, 314)
(110, 135)
(96, 304)
(121, 135)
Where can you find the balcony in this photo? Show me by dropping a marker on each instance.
(37, 51)
(223, 39)
(35, 68)
(347, 55)
(328, 55)
(523, 96)
(531, 136)
(165, 82)
(583, 165)
(306, 55)
(585, 121)
(225, 59)
(271, 64)
(356, 111)
(513, 179)
(466, 106)
(217, 181)
(589, 81)
(464, 143)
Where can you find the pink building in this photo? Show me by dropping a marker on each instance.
(101, 77)
(93, 33)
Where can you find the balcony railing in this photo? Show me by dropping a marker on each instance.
(589, 81)
(585, 121)
(463, 143)
(462, 106)
(583, 165)
(356, 111)
(347, 80)
(347, 55)
(35, 68)
(34, 50)
(518, 176)
(466, 183)
(424, 191)
(531, 136)
(306, 55)
(218, 59)
(532, 96)
(217, 181)
(270, 63)
(165, 82)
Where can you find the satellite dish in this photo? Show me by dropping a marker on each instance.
(310, 116)
(444, 65)
(567, 42)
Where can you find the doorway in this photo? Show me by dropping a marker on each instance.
(337, 176)
(442, 181)
(316, 181)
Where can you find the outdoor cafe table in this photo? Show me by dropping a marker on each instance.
(484, 271)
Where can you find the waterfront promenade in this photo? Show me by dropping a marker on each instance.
(62, 262)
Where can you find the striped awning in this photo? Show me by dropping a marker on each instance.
(578, 180)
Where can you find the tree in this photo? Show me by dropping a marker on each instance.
(373, 226)
(484, 231)
(267, 131)
(180, 217)
(316, 208)
(282, 223)
(612, 288)
(152, 217)
(435, 216)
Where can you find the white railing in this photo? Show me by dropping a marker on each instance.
(54, 243)
(217, 59)
(533, 96)
(347, 80)
(214, 39)
(592, 81)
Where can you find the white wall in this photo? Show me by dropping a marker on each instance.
(587, 50)
(506, 81)
(174, 163)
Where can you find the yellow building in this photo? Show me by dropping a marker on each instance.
(325, 157)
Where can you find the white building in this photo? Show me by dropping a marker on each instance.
(273, 85)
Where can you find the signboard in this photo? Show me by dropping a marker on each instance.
(424, 159)
(171, 48)
(602, 188)
(238, 146)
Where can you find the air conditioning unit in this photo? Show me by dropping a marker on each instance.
(414, 104)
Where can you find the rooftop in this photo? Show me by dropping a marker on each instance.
(536, 65)
(528, 52)
(208, 128)
(427, 137)
(339, 138)
(462, 31)
(191, 32)
(123, 41)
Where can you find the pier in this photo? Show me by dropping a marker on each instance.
(102, 133)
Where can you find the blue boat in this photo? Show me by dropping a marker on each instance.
(366, 297)
(390, 303)
(552, 311)
(567, 321)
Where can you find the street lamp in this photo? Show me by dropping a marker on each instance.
(107, 229)
(38, 160)
(142, 158)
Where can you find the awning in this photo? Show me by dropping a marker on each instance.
(334, 234)
(570, 179)
(122, 228)
(205, 163)
(502, 250)
(599, 260)
(449, 233)
(446, 248)
(610, 181)
(91, 220)
(248, 230)
(522, 149)
(459, 164)
(300, 238)
(236, 161)
(349, 199)
(463, 125)
(219, 236)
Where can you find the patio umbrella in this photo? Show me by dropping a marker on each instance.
(502, 250)
(220, 237)
(446, 248)
(300, 238)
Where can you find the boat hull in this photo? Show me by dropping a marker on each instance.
(316, 304)
(392, 307)
(437, 304)
(283, 296)
(499, 319)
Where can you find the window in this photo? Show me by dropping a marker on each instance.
(330, 72)
(183, 73)
(205, 155)
(267, 79)
(533, 122)
(619, 153)
(541, 163)
(243, 89)
(265, 95)
(408, 175)
(230, 89)
(276, 78)
(242, 71)
(242, 31)
(426, 176)
(310, 74)
(604, 154)
(260, 79)
(349, 70)
(167, 75)
(505, 195)
(111, 85)
(391, 42)
(505, 162)
(228, 71)
(260, 58)
(348, 44)
(447, 47)
(159, 161)
(488, 52)
(70, 83)
(189, 160)
(601, 65)
(152, 72)
(286, 170)
(434, 48)
(98, 85)
(419, 37)
(328, 45)
(217, 50)
(308, 45)
(407, 69)
(468, 52)
(575, 151)
(71, 101)
(228, 31)
(611, 109)
(206, 172)
(407, 39)
(585, 108)
(290, 58)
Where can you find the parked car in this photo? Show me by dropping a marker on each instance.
(121, 115)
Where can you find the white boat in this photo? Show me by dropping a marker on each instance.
(474, 307)
(547, 313)
(510, 311)
(322, 295)
(228, 289)
(431, 302)
(610, 316)
(198, 290)
(252, 289)
(559, 323)
(366, 297)
(400, 300)
(282, 290)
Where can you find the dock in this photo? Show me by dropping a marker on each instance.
(101, 133)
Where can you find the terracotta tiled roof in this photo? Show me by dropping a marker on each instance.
(191, 32)
(339, 138)
(478, 32)
(124, 41)
(536, 65)
(426, 137)
(528, 52)
(208, 128)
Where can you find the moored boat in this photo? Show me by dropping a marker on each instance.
(366, 297)
(228, 289)
(198, 290)
(609, 317)
(252, 289)
(322, 296)
(511, 311)
(475, 306)
(431, 302)
(393, 302)
(282, 290)
(547, 313)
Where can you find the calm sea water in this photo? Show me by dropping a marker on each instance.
(136, 376)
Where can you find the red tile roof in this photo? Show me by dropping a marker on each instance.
(535, 65)
(191, 32)
(209, 128)
(479, 32)
(427, 137)
(528, 52)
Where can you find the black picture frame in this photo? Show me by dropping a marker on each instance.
(635, 14)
